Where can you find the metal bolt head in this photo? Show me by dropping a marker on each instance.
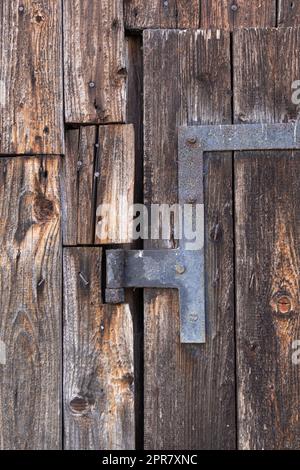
(284, 304)
(180, 269)
(21, 8)
(191, 141)
(234, 7)
(92, 85)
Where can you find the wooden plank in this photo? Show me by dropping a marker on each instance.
(98, 360)
(288, 13)
(189, 389)
(30, 302)
(288, 71)
(79, 186)
(31, 96)
(255, 102)
(267, 248)
(228, 14)
(94, 57)
(161, 14)
(115, 188)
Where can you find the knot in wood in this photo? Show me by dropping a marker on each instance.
(43, 208)
(80, 405)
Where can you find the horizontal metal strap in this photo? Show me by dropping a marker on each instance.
(241, 137)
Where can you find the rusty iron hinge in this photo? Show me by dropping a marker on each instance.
(183, 268)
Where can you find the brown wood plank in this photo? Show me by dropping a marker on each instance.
(98, 360)
(161, 14)
(267, 247)
(189, 389)
(30, 302)
(94, 58)
(78, 186)
(288, 12)
(188, 13)
(31, 96)
(115, 184)
(255, 102)
(228, 14)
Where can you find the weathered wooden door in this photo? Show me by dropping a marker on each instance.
(92, 94)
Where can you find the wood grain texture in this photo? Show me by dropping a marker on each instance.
(141, 14)
(267, 247)
(230, 14)
(115, 193)
(288, 13)
(98, 360)
(30, 302)
(31, 96)
(94, 61)
(79, 186)
(189, 389)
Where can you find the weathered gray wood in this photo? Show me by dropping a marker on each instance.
(79, 186)
(229, 14)
(115, 184)
(145, 14)
(98, 360)
(267, 247)
(94, 61)
(30, 303)
(288, 12)
(189, 389)
(31, 96)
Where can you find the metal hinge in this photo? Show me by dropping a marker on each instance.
(183, 268)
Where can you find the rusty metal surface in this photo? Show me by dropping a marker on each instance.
(178, 269)
(240, 137)
(184, 268)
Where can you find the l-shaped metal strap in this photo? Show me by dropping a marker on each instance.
(184, 269)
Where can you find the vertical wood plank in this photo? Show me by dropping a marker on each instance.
(267, 247)
(98, 360)
(94, 58)
(288, 71)
(79, 186)
(115, 190)
(161, 14)
(230, 14)
(31, 96)
(189, 389)
(188, 14)
(30, 302)
(288, 13)
(254, 65)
